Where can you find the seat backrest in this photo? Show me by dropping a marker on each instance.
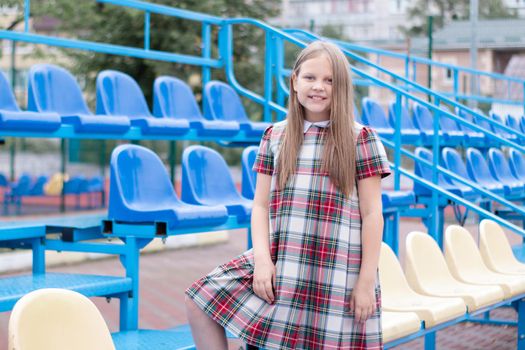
(96, 184)
(54, 89)
(3, 180)
(499, 130)
(119, 94)
(7, 97)
(452, 161)
(373, 114)
(23, 185)
(517, 163)
(467, 116)
(391, 276)
(446, 123)
(38, 187)
(249, 177)
(423, 118)
(54, 186)
(202, 169)
(173, 98)
(72, 186)
(406, 119)
(513, 122)
(424, 170)
(477, 167)
(494, 246)
(499, 166)
(222, 102)
(138, 180)
(461, 253)
(482, 123)
(57, 319)
(425, 264)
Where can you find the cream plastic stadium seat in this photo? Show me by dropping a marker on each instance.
(427, 273)
(465, 263)
(57, 319)
(496, 250)
(54, 186)
(398, 296)
(399, 324)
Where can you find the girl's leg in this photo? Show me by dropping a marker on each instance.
(208, 334)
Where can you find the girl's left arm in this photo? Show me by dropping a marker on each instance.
(363, 301)
(371, 208)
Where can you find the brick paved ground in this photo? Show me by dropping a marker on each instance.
(163, 277)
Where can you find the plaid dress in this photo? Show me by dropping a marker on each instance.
(315, 240)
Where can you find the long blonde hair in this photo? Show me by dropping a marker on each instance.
(338, 158)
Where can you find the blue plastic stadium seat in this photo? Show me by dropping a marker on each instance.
(513, 123)
(473, 138)
(21, 187)
(73, 185)
(393, 199)
(451, 128)
(202, 170)
(374, 116)
(408, 130)
(223, 103)
(453, 162)
(53, 89)
(517, 164)
(522, 124)
(173, 98)
(498, 130)
(249, 177)
(478, 171)
(96, 184)
(141, 191)
(3, 180)
(425, 171)
(423, 120)
(37, 189)
(13, 119)
(482, 123)
(119, 94)
(500, 170)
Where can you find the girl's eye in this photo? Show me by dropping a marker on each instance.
(308, 77)
(329, 81)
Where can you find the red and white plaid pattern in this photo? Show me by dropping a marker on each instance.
(316, 246)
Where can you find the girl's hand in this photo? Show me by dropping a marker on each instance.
(363, 300)
(264, 280)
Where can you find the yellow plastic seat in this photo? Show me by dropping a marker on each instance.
(57, 319)
(55, 184)
(496, 250)
(427, 273)
(465, 263)
(398, 296)
(396, 325)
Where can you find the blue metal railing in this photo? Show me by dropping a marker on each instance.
(274, 53)
(412, 61)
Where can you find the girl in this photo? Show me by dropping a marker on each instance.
(310, 281)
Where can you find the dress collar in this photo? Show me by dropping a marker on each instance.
(308, 124)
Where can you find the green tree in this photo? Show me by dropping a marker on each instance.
(451, 10)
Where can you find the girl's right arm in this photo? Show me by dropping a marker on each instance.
(264, 273)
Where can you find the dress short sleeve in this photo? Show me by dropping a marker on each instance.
(371, 159)
(264, 161)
